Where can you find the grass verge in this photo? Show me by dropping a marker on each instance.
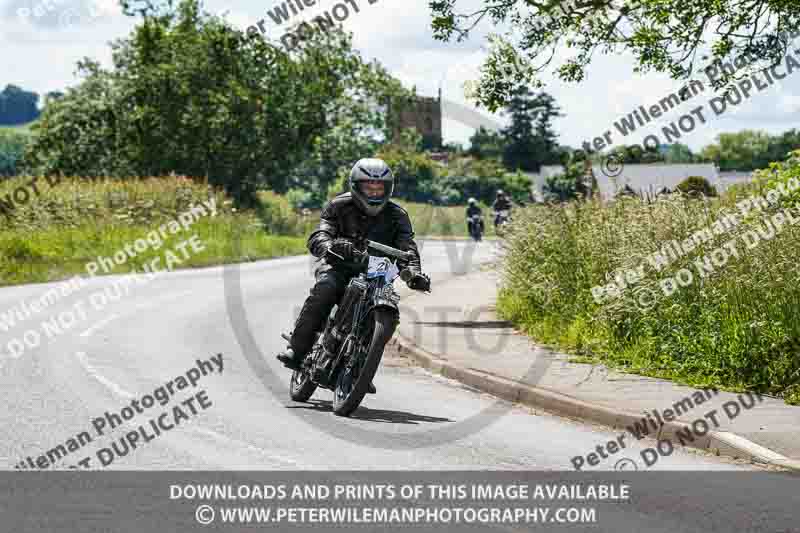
(55, 233)
(736, 325)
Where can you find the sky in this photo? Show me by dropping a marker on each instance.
(41, 41)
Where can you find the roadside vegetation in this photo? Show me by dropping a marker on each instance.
(13, 142)
(54, 235)
(738, 327)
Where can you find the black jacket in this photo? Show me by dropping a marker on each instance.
(341, 218)
(473, 210)
(501, 204)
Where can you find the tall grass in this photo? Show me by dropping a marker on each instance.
(737, 327)
(57, 232)
(280, 219)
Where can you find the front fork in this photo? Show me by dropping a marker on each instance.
(351, 341)
(382, 297)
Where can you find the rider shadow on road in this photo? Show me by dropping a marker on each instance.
(373, 415)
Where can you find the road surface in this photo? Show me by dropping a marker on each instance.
(153, 333)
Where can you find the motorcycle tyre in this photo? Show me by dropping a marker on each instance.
(345, 403)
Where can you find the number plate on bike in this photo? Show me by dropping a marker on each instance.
(382, 267)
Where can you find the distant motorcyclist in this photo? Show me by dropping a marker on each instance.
(364, 212)
(473, 210)
(501, 204)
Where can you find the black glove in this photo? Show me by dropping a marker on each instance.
(419, 282)
(343, 248)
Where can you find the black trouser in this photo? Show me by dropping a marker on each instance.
(326, 292)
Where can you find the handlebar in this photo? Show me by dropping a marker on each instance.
(388, 250)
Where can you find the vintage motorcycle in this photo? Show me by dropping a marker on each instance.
(475, 225)
(346, 355)
(501, 219)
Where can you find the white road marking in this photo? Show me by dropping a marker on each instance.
(98, 325)
(102, 379)
(227, 440)
(116, 389)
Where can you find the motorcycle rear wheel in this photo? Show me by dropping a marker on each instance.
(351, 383)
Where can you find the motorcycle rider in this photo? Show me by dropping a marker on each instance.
(365, 212)
(472, 210)
(501, 203)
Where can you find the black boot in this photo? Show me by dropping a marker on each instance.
(290, 359)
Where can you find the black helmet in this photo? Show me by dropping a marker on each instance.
(371, 170)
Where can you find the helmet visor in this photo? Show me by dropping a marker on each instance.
(373, 190)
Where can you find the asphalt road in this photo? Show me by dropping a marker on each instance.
(155, 332)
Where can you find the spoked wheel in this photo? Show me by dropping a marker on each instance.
(353, 381)
(301, 388)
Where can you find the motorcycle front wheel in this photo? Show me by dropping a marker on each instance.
(301, 387)
(353, 381)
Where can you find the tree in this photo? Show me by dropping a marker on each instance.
(629, 155)
(546, 138)
(454, 148)
(663, 36)
(780, 146)
(486, 144)
(750, 150)
(52, 96)
(357, 126)
(479, 179)
(18, 106)
(571, 184)
(529, 140)
(189, 94)
(12, 148)
(634, 154)
(651, 155)
(414, 172)
(744, 150)
(519, 136)
(678, 153)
